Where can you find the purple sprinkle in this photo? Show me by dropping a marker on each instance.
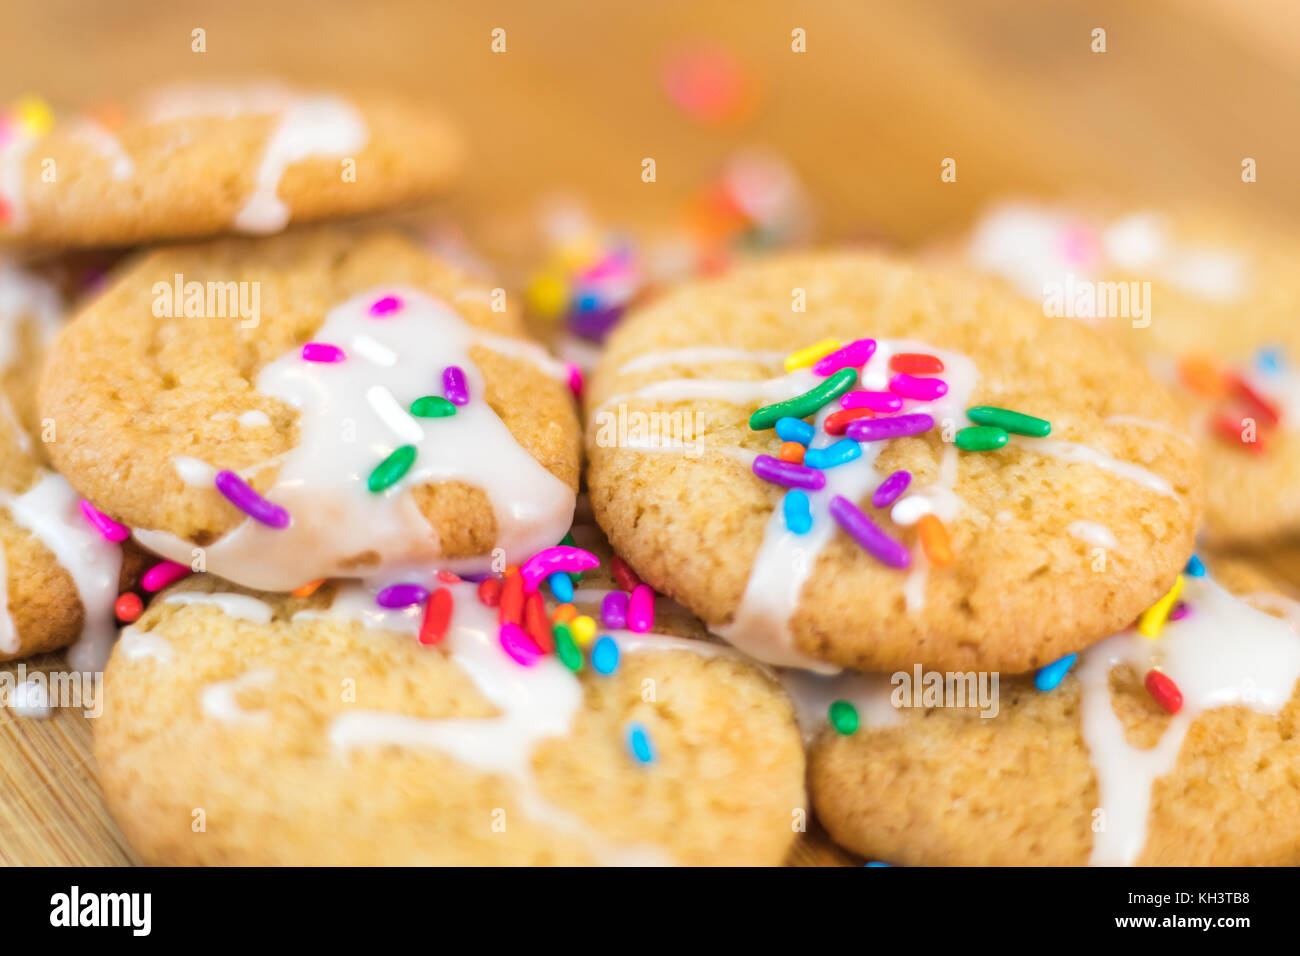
(243, 497)
(385, 306)
(789, 474)
(613, 610)
(1180, 611)
(868, 534)
(887, 491)
(322, 352)
(876, 401)
(897, 426)
(921, 389)
(454, 386)
(854, 355)
(594, 324)
(401, 595)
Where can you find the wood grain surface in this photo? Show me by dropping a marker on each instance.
(886, 91)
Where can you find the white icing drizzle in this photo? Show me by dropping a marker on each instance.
(1033, 246)
(699, 355)
(25, 296)
(1139, 422)
(51, 511)
(107, 145)
(221, 700)
(240, 606)
(1090, 532)
(1077, 454)
(813, 695)
(13, 160)
(535, 703)
(310, 127)
(523, 349)
(137, 645)
(322, 481)
(1224, 653)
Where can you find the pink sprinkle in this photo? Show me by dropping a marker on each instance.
(162, 574)
(1180, 611)
(1078, 245)
(516, 642)
(921, 389)
(576, 383)
(559, 558)
(322, 352)
(876, 401)
(385, 306)
(641, 609)
(853, 355)
(105, 525)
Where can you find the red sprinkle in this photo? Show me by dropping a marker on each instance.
(512, 598)
(836, 422)
(627, 578)
(1265, 409)
(1165, 691)
(128, 608)
(536, 624)
(916, 363)
(448, 577)
(489, 591)
(1228, 426)
(437, 616)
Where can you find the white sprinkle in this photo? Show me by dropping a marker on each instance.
(386, 407)
(908, 511)
(372, 349)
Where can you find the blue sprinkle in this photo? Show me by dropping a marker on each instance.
(874, 863)
(561, 587)
(1269, 360)
(604, 655)
(1051, 675)
(794, 429)
(798, 516)
(638, 741)
(844, 450)
(1195, 567)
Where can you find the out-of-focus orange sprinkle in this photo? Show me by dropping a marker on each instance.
(935, 541)
(308, 589)
(564, 613)
(1202, 375)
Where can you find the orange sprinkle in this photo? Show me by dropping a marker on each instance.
(837, 423)
(307, 590)
(1202, 375)
(934, 539)
(792, 451)
(564, 613)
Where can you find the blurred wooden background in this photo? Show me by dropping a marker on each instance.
(885, 91)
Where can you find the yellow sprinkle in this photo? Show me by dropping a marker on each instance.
(583, 629)
(809, 354)
(34, 115)
(547, 294)
(577, 252)
(1153, 618)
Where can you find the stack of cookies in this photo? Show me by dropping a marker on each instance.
(860, 537)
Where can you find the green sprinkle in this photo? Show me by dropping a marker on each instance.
(801, 406)
(1018, 423)
(389, 471)
(568, 542)
(432, 406)
(844, 717)
(565, 647)
(981, 438)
